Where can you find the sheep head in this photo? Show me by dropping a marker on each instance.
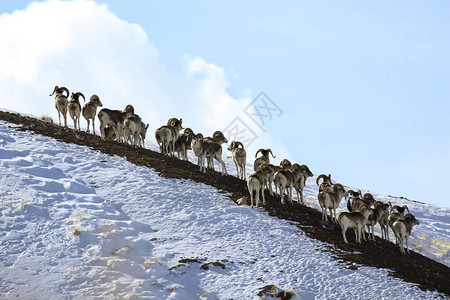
(219, 137)
(285, 164)
(235, 145)
(326, 179)
(188, 130)
(172, 121)
(59, 90)
(77, 95)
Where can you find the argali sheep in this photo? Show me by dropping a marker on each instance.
(299, 184)
(196, 148)
(183, 144)
(368, 199)
(75, 109)
(132, 129)
(205, 149)
(256, 183)
(354, 220)
(396, 215)
(326, 181)
(284, 180)
(329, 199)
(90, 110)
(110, 133)
(239, 156)
(400, 209)
(270, 177)
(273, 170)
(61, 103)
(263, 159)
(170, 122)
(379, 211)
(355, 201)
(285, 164)
(218, 138)
(383, 220)
(402, 230)
(142, 134)
(167, 135)
(114, 118)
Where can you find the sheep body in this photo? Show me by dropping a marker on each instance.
(206, 149)
(354, 220)
(263, 159)
(74, 108)
(256, 183)
(114, 118)
(303, 174)
(89, 111)
(239, 156)
(402, 230)
(61, 103)
(329, 199)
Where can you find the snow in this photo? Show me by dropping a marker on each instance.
(76, 223)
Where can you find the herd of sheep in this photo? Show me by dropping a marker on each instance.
(127, 127)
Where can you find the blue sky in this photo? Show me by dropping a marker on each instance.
(363, 87)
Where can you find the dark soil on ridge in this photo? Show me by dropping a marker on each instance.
(414, 268)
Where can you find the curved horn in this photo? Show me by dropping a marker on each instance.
(218, 134)
(270, 150)
(66, 90)
(94, 97)
(237, 143)
(54, 90)
(338, 186)
(394, 207)
(349, 192)
(172, 121)
(188, 130)
(129, 108)
(406, 208)
(259, 150)
(389, 203)
(80, 94)
(321, 176)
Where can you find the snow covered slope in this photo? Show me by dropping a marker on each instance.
(76, 223)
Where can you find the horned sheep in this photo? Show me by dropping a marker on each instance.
(239, 156)
(61, 103)
(354, 220)
(90, 110)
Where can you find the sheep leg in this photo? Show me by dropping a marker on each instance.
(282, 193)
(358, 234)
(264, 199)
(290, 194)
(102, 129)
(324, 214)
(343, 234)
(407, 246)
(93, 125)
(402, 248)
(87, 129)
(238, 174)
(59, 118)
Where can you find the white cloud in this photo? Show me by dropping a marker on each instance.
(83, 46)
